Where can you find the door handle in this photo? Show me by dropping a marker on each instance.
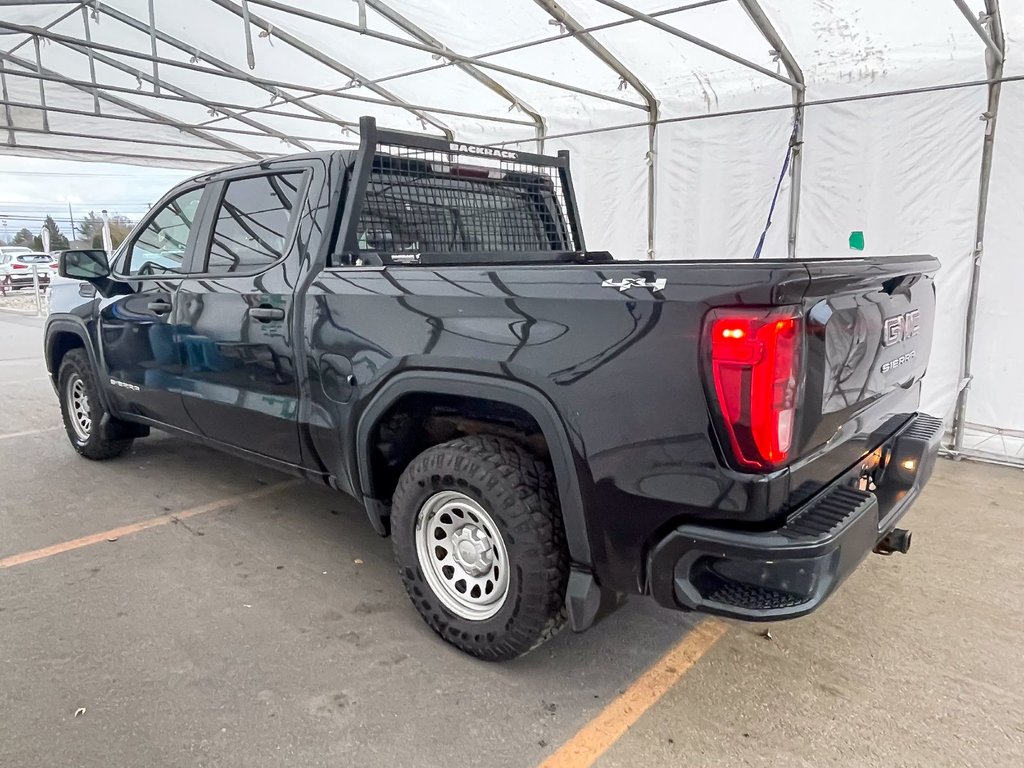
(158, 307)
(265, 314)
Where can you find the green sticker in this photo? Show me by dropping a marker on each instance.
(857, 240)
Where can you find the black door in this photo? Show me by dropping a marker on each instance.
(138, 331)
(239, 349)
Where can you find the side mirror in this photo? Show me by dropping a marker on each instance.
(89, 264)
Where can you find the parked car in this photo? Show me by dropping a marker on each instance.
(540, 429)
(16, 267)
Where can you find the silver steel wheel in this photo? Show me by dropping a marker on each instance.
(78, 407)
(462, 555)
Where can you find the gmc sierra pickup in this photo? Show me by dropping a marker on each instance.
(542, 430)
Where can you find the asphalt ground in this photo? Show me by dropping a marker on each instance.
(239, 618)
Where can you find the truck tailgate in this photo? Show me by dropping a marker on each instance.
(868, 337)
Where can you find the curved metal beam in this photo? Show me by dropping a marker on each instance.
(157, 117)
(994, 64)
(780, 49)
(417, 32)
(591, 43)
(337, 66)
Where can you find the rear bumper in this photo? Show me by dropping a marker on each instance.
(790, 571)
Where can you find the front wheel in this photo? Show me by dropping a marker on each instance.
(480, 546)
(82, 409)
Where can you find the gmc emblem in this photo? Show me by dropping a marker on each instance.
(901, 327)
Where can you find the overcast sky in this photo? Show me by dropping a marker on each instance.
(30, 188)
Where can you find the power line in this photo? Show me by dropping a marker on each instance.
(97, 173)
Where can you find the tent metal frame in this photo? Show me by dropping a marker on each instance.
(591, 43)
(295, 96)
(243, 109)
(995, 41)
(785, 55)
(274, 90)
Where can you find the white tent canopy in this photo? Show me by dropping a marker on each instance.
(686, 121)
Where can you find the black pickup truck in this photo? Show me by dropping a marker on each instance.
(542, 430)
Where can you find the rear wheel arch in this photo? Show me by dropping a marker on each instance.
(512, 397)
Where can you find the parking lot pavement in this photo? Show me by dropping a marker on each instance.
(252, 637)
(274, 631)
(918, 660)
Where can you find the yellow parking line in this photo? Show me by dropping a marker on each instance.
(153, 522)
(597, 736)
(28, 432)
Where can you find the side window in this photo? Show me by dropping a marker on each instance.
(253, 222)
(160, 247)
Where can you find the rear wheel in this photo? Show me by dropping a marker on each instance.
(82, 409)
(480, 546)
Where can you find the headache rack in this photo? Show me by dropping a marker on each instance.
(416, 199)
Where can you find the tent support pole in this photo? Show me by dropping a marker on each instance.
(994, 64)
(92, 61)
(416, 32)
(11, 140)
(780, 49)
(250, 54)
(42, 88)
(152, 45)
(588, 41)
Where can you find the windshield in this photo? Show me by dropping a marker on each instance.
(34, 258)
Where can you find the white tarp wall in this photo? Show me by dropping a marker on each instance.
(903, 169)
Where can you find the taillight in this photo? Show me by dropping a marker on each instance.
(18, 266)
(755, 370)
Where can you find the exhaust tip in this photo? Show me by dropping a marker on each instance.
(896, 540)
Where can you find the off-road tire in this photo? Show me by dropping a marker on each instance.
(93, 446)
(518, 491)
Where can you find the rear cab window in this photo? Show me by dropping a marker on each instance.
(254, 222)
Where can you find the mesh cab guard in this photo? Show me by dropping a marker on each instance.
(414, 199)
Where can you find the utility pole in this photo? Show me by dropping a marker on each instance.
(74, 234)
